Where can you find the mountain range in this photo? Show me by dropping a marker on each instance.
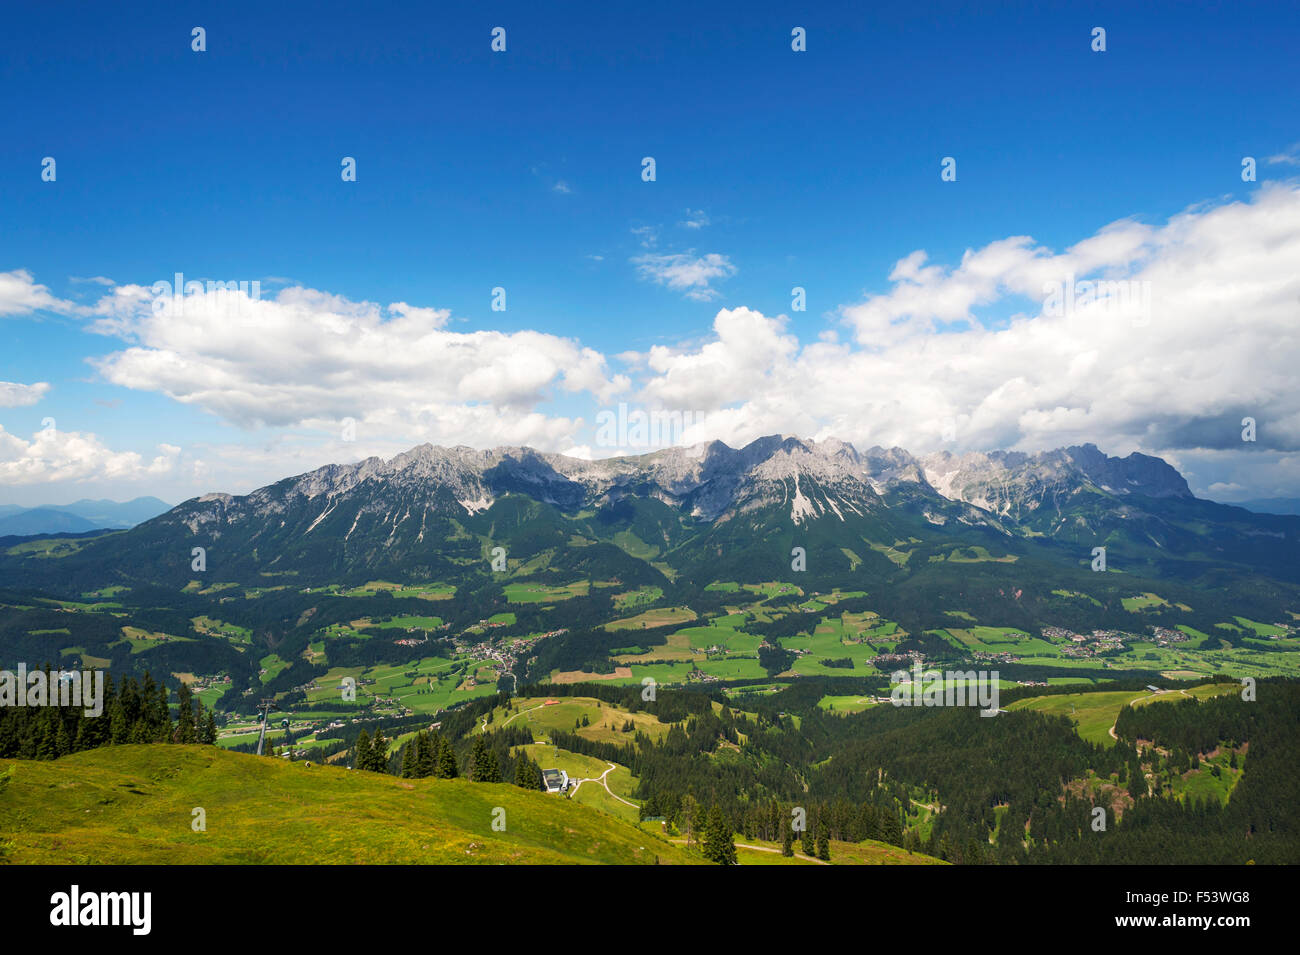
(436, 512)
(77, 517)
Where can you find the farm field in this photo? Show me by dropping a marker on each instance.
(532, 593)
(659, 617)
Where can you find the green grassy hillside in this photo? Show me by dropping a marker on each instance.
(1094, 713)
(133, 804)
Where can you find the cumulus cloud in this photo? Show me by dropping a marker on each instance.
(1154, 337)
(21, 295)
(16, 395)
(54, 456)
(1208, 335)
(308, 357)
(685, 272)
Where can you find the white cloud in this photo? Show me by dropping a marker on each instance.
(562, 187)
(647, 235)
(1289, 157)
(307, 357)
(686, 272)
(21, 295)
(16, 395)
(971, 343)
(55, 456)
(1221, 487)
(1220, 341)
(695, 219)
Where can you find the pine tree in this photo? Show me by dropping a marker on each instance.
(185, 732)
(823, 845)
(62, 742)
(208, 735)
(484, 767)
(409, 759)
(477, 758)
(719, 841)
(524, 772)
(378, 752)
(427, 756)
(787, 840)
(446, 760)
(119, 731)
(362, 758)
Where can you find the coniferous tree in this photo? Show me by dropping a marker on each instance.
(484, 767)
(409, 759)
(208, 735)
(426, 759)
(362, 757)
(185, 729)
(120, 730)
(446, 767)
(719, 840)
(524, 778)
(378, 752)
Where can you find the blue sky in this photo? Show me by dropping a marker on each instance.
(522, 170)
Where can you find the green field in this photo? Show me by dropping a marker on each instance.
(529, 593)
(408, 623)
(1093, 714)
(846, 704)
(658, 617)
(1143, 602)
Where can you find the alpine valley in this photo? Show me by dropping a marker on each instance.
(702, 639)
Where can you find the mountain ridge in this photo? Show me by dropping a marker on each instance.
(702, 474)
(79, 516)
(439, 511)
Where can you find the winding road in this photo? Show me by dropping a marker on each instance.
(604, 782)
(1138, 699)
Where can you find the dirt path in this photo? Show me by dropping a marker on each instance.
(604, 782)
(1138, 699)
(745, 845)
(521, 713)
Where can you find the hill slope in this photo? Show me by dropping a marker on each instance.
(133, 804)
